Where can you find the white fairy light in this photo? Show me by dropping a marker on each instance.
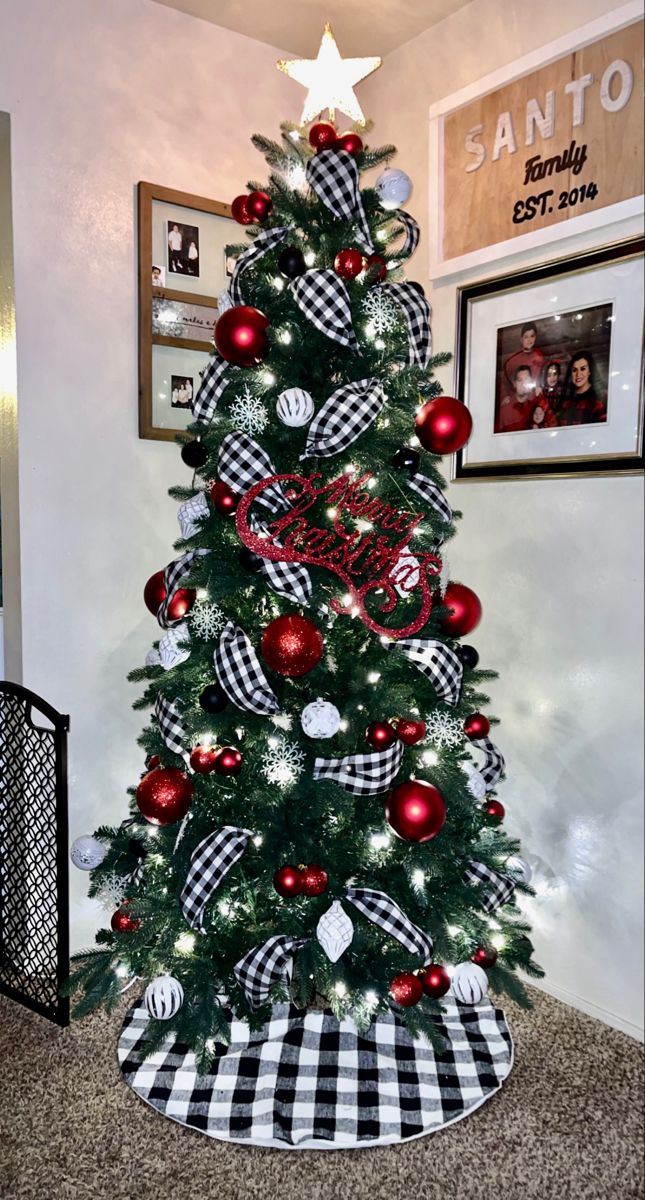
(258, 840)
(418, 878)
(453, 930)
(380, 841)
(294, 135)
(430, 758)
(185, 943)
(122, 970)
(309, 257)
(349, 469)
(373, 676)
(498, 941)
(153, 831)
(346, 599)
(224, 908)
(278, 283)
(285, 337)
(268, 378)
(380, 345)
(371, 999)
(340, 989)
(201, 594)
(332, 513)
(371, 483)
(344, 725)
(493, 924)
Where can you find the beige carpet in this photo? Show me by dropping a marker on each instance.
(567, 1125)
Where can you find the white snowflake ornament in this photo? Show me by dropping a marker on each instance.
(112, 891)
(381, 311)
(249, 413)
(207, 620)
(282, 762)
(190, 513)
(335, 931)
(476, 782)
(320, 719)
(171, 654)
(443, 729)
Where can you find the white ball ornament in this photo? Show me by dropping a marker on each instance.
(469, 983)
(87, 852)
(320, 719)
(522, 870)
(164, 997)
(295, 407)
(476, 783)
(394, 187)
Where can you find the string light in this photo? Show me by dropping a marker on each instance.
(430, 758)
(309, 257)
(453, 930)
(418, 878)
(278, 283)
(371, 999)
(498, 941)
(380, 841)
(285, 337)
(340, 989)
(258, 840)
(373, 676)
(268, 378)
(185, 943)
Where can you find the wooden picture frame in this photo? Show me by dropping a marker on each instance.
(182, 270)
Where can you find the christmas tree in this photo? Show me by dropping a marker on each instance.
(318, 816)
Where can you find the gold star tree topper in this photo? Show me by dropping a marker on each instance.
(330, 79)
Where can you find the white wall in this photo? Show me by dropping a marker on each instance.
(558, 566)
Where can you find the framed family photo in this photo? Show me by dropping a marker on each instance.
(549, 362)
(183, 268)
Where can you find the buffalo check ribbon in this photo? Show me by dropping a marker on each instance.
(417, 313)
(494, 764)
(323, 299)
(344, 416)
(240, 674)
(242, 462)
(291, 580)
(173, 575)
(171, 725)
(362, 774)
(432, 494)
(264, 966)
(379, 908)
(210, 861)
(501, 887)
(438, 663)
(333, 175)
(412, 233)
(264, 242)
(212, 386)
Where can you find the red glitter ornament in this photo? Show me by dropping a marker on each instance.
(380, 735)
(229, 761)
(443, 425)
(224, 500)
(410, 732)
(435, 980)
(203, 759)
(484, 956)
(240, 212)
(350, 142)
(466, 610)
(259, 205)
(476, 726)
(348, 263)
(322, 135)
(122, 923)
(494, 811)
(240, 335)
(164, 795)
(287, 881)
(292, 645)
(406, 989)
(314, 880)
(375, 268)
(416, 810)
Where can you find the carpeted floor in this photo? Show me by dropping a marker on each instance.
(567, 1125)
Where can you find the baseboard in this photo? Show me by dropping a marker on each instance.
(592, 1010)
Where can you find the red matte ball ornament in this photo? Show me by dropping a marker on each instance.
(484, 956)
(154, 593)
(348, 263)
(350, 142)
(476, 726)
(203, 759)
(240, 212)
(406, 989)
(375, 268)
(240, 335)
(287, 881)
(314, 880)
(292, 645)
(322, 135)
(435, 980)
(229, 761)
(416, 810)
(410, 732)
(259, 205)
(122, 923)
(380, 735)
(494, 811)
(443, 425)
(224, 500)
(164, 796)
(465, 610)
(181, 603)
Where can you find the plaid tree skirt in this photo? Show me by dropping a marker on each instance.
(308, 1081)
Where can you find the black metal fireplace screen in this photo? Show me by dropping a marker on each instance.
(34, 933)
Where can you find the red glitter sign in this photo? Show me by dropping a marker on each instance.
(374, 562)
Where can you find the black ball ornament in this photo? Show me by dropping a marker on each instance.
(194, 454)
(468, 656)
(213, 699)
(406, 459)
(291, 262)
(137, 849)
(249, 560)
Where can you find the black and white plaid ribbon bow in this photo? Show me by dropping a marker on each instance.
(432, 494)
(265, 965)
(344, 416)
(437, 662)
(494, 764)
(502, 886)
(177, 570)
(291, 580)
(212, 385)
(417, 313)
(170, 724)
(412, 233)
(323, 299)
(333, 174)
(382, 910)
(362, 774)
(190, 513)
(265, 241)
(241, 463)
(240, 674)
(210, 861)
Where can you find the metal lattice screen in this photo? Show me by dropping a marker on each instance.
(34, 937)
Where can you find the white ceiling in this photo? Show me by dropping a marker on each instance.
(361, 27)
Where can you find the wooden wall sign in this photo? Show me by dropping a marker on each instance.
(542, 149)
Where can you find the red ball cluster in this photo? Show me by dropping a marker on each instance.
(154, 594)
(484, 956)
(476, 726)
(311, 880)
(495, 812)
(247, 210)
(435, 980)
(122, 923)
(465, 610)
(410, 732)
(323, 136)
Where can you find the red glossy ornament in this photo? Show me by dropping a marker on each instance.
(122, 923)
(292, 645)
(348, 263)
(476, 726)
(203, 759)
(494, 811)
(240, 335)
(164, 795)
(259, 205)
(444, 425)
(406, 989)
(375, 268)
(350, 142)
(484, 956)
(154, 593)
(416, 810)
(380, 735)
(287, 881)
(152, 761)
(466, 610)
(181, 603)
(314, 880)
(322, 135)
(410, 732)
(240, 212)
(229, 761)
(224, 500)
(435, 980)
